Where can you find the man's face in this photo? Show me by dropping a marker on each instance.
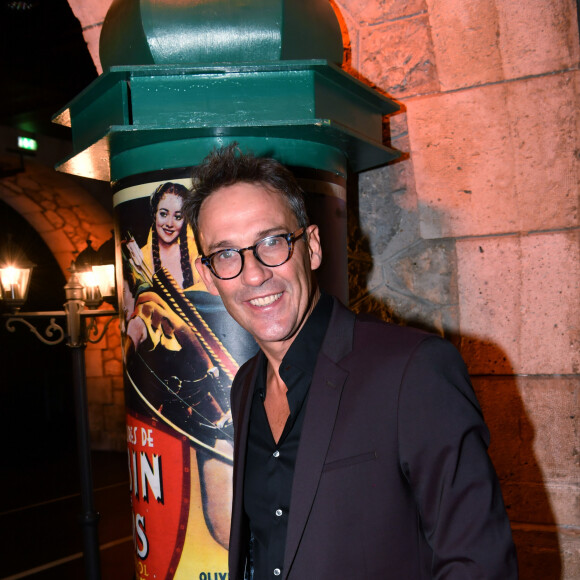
(270, 303)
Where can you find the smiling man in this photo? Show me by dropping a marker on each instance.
(360, 448)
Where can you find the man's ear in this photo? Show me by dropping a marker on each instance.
(206, 276)
(314, 247)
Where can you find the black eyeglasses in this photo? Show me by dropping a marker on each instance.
(272, 251)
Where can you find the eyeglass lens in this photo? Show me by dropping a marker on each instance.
(272, 251)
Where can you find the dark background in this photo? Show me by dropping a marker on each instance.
(44, 63)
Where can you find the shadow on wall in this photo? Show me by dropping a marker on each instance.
(399, 277)
(522, 481)
(512, 432)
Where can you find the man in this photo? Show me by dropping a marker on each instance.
(360, 449)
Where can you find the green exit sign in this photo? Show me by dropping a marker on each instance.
(27, 143)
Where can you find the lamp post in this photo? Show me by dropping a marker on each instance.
(81, 291)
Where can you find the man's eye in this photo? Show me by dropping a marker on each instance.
(225, 255)
(271, 242)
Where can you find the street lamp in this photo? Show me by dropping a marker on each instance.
(14, 283)
(97, 272)
(82, 290)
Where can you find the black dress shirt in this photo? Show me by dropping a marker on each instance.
(270, 466)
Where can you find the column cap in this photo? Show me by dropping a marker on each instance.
(143, 32)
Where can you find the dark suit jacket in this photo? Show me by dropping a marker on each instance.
(392, 477)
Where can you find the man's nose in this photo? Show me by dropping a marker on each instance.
(254, 273)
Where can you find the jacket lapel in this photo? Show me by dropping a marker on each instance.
(241, 406)
(322, 408)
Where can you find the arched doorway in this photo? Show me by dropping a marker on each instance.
(37, 415)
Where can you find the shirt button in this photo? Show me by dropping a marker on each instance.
(276, 453)
(276, 571)
(278, 513)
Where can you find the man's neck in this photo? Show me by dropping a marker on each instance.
(276, 351)
(276, 402)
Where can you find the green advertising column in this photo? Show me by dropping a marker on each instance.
(180, 79)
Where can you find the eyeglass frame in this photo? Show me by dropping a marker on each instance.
(290, 238)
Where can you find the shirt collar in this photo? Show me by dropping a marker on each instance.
(303, 352)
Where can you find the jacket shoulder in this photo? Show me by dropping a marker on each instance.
(352, 333)
(247, 368)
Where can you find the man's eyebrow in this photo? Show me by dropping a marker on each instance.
(224, 244)
(228, 244)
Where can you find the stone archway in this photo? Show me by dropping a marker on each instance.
(66, 216)
(63, 213)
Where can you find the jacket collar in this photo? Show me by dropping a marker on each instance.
(322, 408)
(323, 402)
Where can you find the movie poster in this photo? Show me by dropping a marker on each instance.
(181, 352)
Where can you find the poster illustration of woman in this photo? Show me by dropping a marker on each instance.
(181, 352)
